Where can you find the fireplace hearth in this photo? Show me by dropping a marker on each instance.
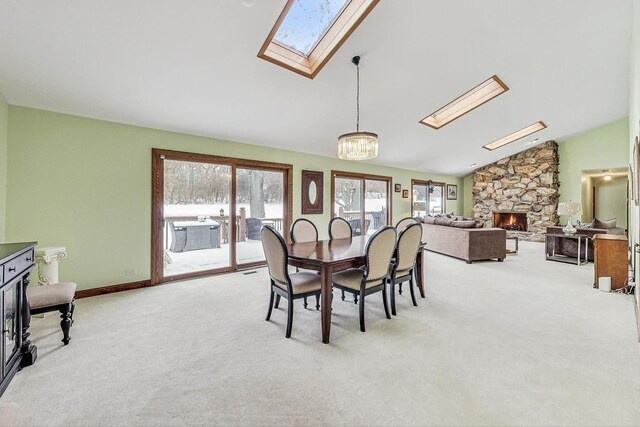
(513, 221)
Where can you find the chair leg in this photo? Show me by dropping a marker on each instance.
(355, 298)
(361, 309)
(65, 324)
(413, 294)
(73, 307)
(289, 316)
(342, 294)
(270, 306)
(305, 302)
(317, 301)
(393, 297)
(400, 288)
(384, 302)
(277, 301)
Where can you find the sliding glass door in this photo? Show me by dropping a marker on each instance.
(363, 200)
(427, 198)
(208, 211)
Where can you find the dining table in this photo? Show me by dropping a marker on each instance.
(330, 256)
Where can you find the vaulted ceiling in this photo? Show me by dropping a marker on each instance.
(191, 66)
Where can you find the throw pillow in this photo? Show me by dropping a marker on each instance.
(429, 219)
(463, 224)
(586, 225)
(479, 224)
(604, 223)
(443, 221)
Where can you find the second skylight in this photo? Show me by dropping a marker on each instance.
(471, 100)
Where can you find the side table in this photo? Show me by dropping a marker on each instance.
(582, 242)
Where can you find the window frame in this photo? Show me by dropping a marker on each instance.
(426, 184)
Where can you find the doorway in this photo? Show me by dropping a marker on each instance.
(207, 212)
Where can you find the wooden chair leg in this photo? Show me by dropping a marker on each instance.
(289, 316)
(270, 306)
(342, 294)
(361, 309)
(277, 301)
(400, 288)
(384, 302)
(317, 301)
(305, 302)
(65, 323)
(355, 298)
(413, 294)
(73, 307)
(393, 297)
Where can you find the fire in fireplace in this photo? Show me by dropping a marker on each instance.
(516, 221)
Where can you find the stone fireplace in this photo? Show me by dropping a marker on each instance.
(519, 193)
(513, 221)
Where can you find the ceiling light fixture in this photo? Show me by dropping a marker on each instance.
(471, 100)
(358, 145)
(607, 177)
(537, 126)
(533, 141)
(473, 165)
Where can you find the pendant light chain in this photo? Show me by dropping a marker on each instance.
(357, 97)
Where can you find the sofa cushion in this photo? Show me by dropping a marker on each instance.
(479, 224)
(604, 223)
(429, 219)
(463, 224)
(443, 221)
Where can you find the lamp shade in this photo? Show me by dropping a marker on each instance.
(568, 208)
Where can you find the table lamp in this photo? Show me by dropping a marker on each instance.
(569, 209)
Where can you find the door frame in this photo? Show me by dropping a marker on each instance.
(426, 183)
(157, 207)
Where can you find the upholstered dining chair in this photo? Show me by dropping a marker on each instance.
(282, 284)
(404, 267)
(303, 230)
(339, 228)
(373, 277)
(405, 222)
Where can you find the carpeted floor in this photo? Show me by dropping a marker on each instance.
(524, 342)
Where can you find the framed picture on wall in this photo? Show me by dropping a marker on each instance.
(398, 188)
(405, 194)
(452, 192)
(312, 185)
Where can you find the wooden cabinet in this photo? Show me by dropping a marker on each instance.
(611, 259)
(16, 351)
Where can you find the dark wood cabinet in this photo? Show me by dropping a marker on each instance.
(16, 350)
(611, 259)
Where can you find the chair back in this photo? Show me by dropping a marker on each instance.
(405, 222)
(339, 228)
(408, 244)
(303, 230)
(379, 251)
(275, 251)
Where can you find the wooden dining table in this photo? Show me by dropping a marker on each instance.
(330, 256)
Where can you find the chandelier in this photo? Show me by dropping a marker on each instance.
(358, 145)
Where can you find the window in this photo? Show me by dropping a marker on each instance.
(427, 197)
(363, 200)
(308, 32)
(515, 136)
(471, 100)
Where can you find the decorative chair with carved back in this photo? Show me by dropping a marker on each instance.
(339, 228)
(282, 284)
(405, 222)
(302, 230)
(373, 277)
(404, 267)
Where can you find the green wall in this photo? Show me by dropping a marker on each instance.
(86, 184)
(4, 128)
(604, 147)
(467, 196)
(611, 198)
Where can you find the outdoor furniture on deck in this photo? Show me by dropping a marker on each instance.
(193, 235)
(356, 226)
(253, 228)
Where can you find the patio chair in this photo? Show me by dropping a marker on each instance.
(253, 228)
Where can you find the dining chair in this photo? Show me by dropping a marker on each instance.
(339, 228)
(373, 277)
(404, 267)
(290, 286)
(303, 230)
(405, 222)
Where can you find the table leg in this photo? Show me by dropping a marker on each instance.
(419, 271)
(325, 309)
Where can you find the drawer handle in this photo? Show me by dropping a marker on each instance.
(12, 269)
(28, 258)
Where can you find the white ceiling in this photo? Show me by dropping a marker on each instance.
(191, 66)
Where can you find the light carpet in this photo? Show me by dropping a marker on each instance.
(524, 342)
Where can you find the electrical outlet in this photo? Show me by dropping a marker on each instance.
(131, 272)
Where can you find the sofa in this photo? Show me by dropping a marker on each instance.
(569, 247)
(469, 244)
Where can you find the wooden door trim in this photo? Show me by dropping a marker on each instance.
(423, 182)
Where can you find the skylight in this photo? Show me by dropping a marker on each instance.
(471, 100)
(537, 126)
(307, 22)
(308, 32)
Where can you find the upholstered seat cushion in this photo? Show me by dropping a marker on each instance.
(51, 295)
(303, 282)
(352, 278)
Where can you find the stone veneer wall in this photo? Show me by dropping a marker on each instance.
(525, 182)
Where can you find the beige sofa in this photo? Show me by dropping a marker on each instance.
(469, 244)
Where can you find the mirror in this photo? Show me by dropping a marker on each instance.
(312, 192)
